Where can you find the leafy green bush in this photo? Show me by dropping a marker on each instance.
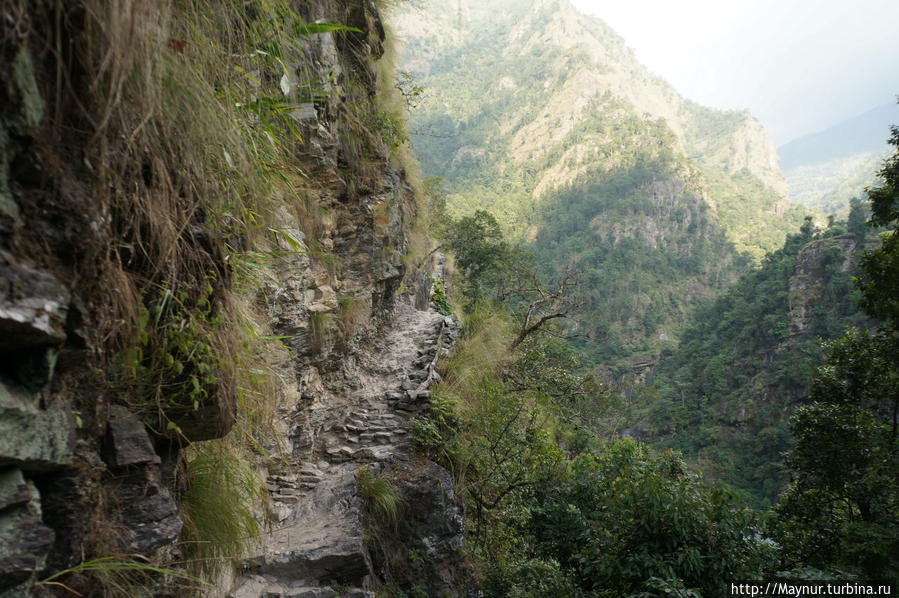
(181, 362)
(620, 517)
(438, 296)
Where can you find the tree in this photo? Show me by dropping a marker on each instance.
(857, 222)
(496, 270)
(879, 282)
(540, 303)
(623, 522)
(841, 510)
(478, 245)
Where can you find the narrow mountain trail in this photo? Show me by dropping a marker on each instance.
(359, 415)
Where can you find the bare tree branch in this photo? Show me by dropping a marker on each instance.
(549, 304)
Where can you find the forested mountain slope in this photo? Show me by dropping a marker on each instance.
(544, 117)
(829, 186)
(724, 396)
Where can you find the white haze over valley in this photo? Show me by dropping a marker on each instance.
(798, 65)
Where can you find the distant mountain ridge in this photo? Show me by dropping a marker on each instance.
(825, 170)
(863, 134)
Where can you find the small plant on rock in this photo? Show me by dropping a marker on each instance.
(439, 297)
(380, 497)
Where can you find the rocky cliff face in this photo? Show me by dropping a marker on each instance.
(814, 267)
(87, 470)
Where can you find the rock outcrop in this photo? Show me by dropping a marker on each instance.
(810, 277)
(88, 470)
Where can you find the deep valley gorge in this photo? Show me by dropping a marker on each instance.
(407, 298)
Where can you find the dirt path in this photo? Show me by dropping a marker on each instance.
(359, 415)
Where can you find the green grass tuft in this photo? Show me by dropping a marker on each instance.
(220, 521)
(381, 497)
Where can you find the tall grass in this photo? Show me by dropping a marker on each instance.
(480, 353)
(118, 575)
(393, 103)
(220, 508)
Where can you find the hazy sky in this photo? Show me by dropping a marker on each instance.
(798, 65)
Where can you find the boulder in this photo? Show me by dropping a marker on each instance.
(127, 441)
(24, 539)
(13, 490)
(432, 525)
(33, 307)
(32, 438)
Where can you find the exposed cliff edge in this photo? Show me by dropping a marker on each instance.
(192, 197)
(815, 265)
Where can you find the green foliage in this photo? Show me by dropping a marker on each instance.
(220, 507)
(724, 395)
(479, 248)
(438, 296)
(857, 222)
(879, 281)
(622, 522)
(431, 433)
(744, 212)
(411, 91)
(840, 511)
(181, 362)
(306, 29)
(885, 197)
(381, 497)
(119, 575)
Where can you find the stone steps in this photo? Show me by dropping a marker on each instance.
(358, 416)
(268, 586)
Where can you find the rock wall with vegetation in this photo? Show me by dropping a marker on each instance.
(211, 251)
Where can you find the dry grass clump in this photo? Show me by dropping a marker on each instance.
(352, 314)
(394, 103)
(479, 355)
(220, 508)
(381, 497)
